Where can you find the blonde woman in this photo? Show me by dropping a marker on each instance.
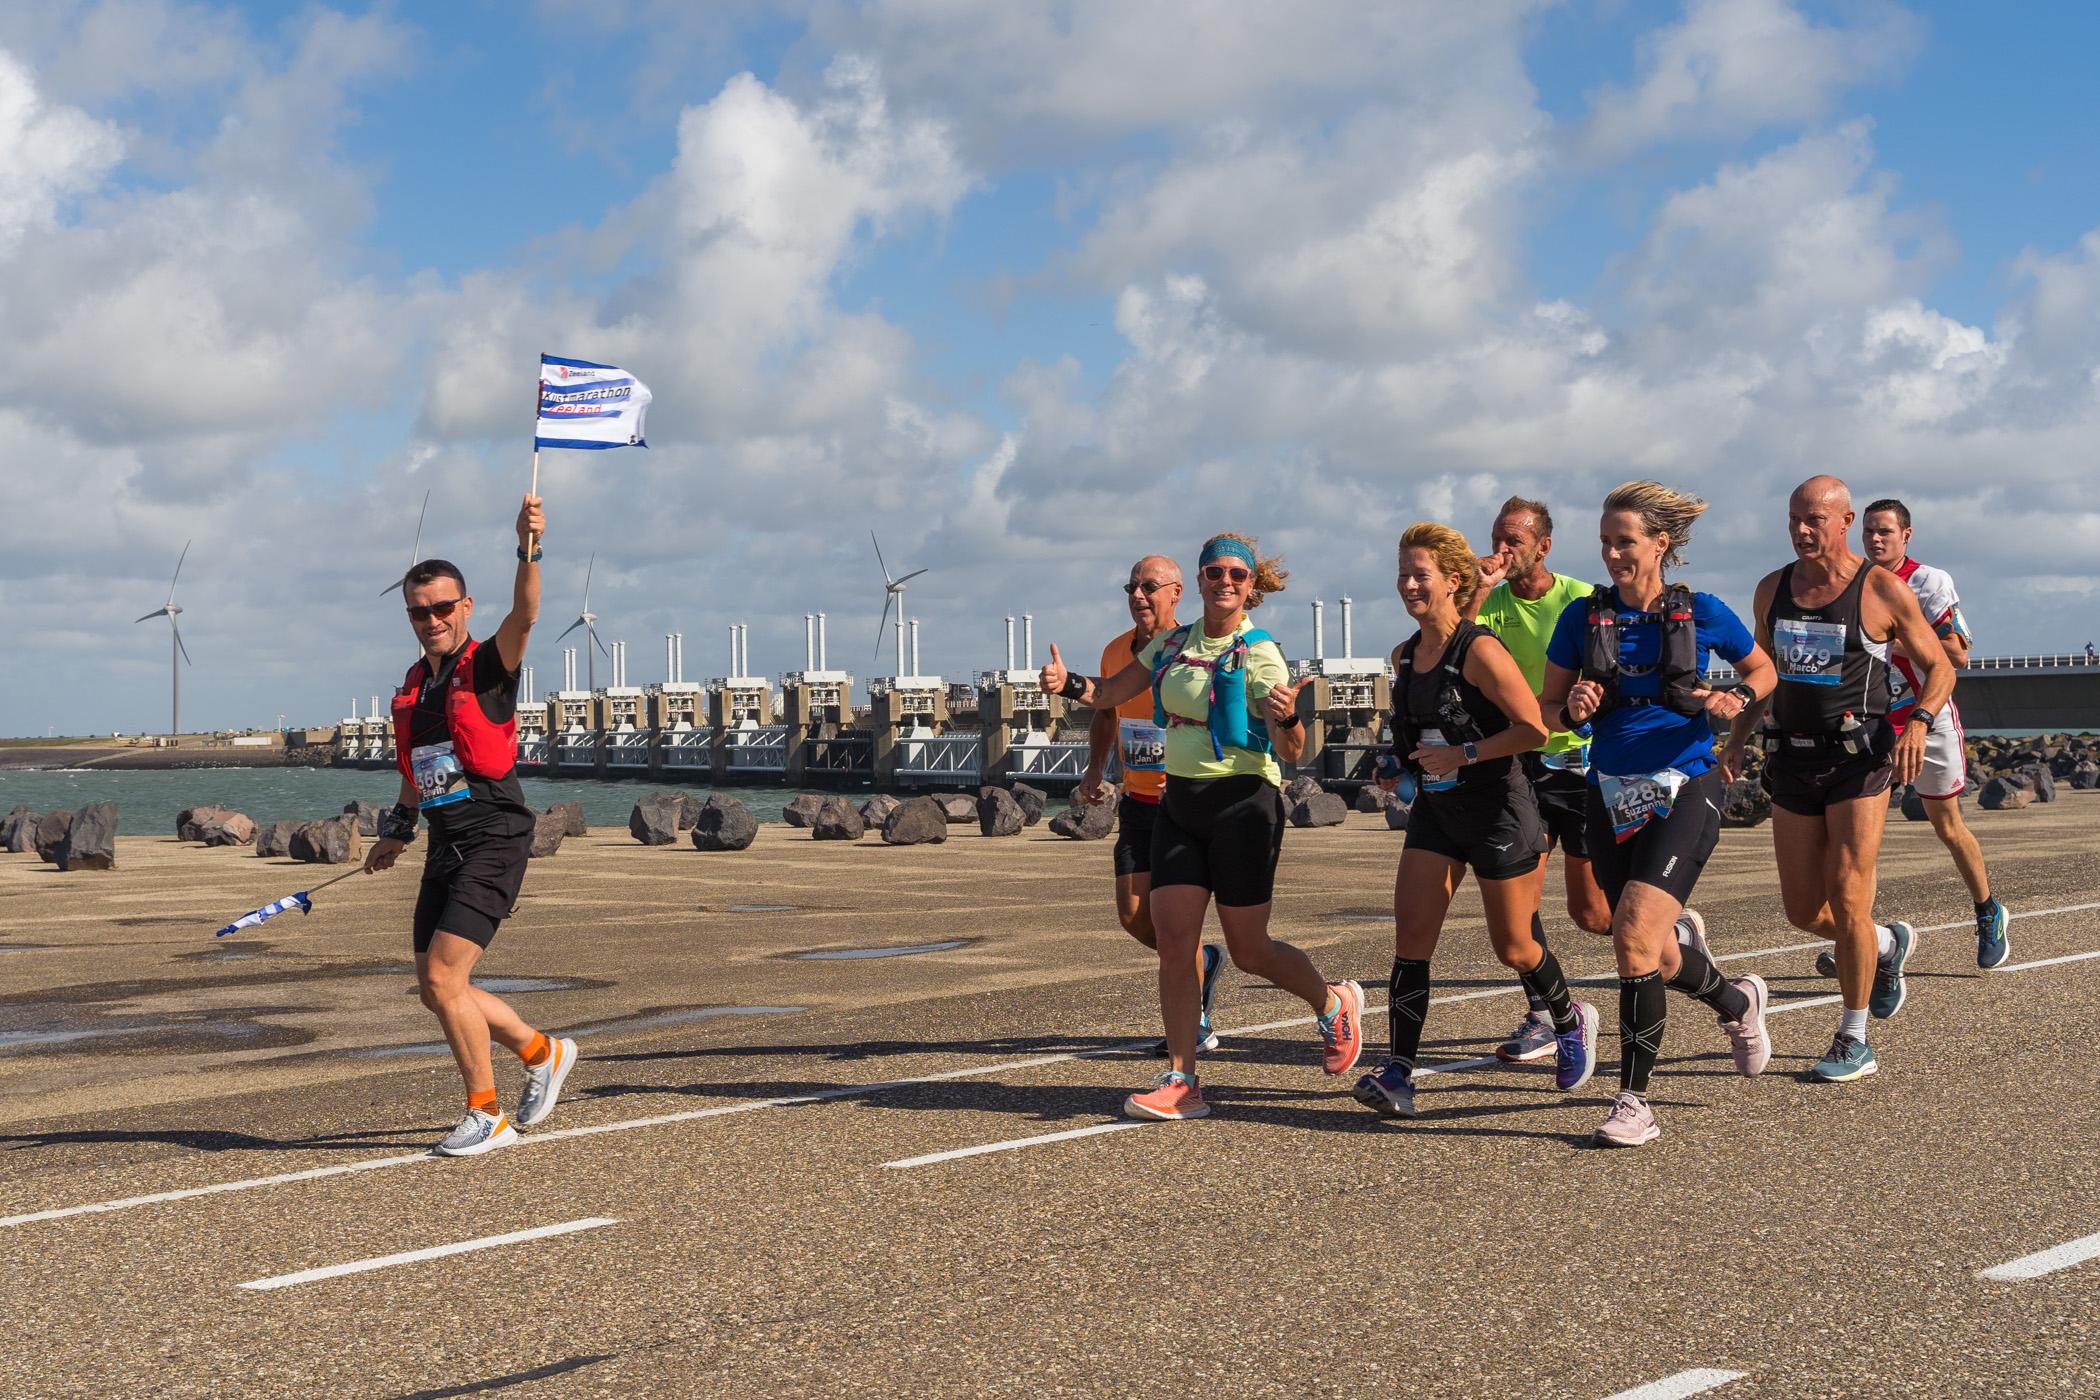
(1222, 692)
(1462, 713)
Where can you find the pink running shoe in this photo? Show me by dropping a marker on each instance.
(1173, 1095)
(1629, 1124)
(1344, 1032)
(1747, 1039)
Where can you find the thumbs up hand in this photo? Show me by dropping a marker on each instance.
(1055, 673)
(1282, 702)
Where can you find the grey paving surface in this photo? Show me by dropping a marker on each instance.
(1823, 1240)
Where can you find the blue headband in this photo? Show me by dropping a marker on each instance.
(1225, 545)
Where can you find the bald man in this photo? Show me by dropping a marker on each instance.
(1153, 590)
(1828, 620)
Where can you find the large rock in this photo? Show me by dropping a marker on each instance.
(229, 829)
(1085, 821)
(1300, 788)
(688, 811)
(876, 810)
(724, 824)
(2042, 781)
(2001, 794)
(572, 822)
(2086, 776)
(276, 838)
(1369, 798)
(1034, 802)
(548, 829)
(1319, 808)
(1745, 802)
(998, 814)
(918, 822)
(958, 808)
(654, 820)
(18, 830)
(837, 820)
(802, 812)
(1397, 812)
(51, 829)
(91, 840)
(367, 814)
(331, 841)
(190, 821)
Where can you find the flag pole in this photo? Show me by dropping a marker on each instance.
(538, 381)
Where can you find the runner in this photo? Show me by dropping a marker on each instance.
(1221, 690)
(1521, 602)
(1630, 661)
(1154, 588)
(1884, 533)
(455, 731)
(1831, 753)
(1462, 714)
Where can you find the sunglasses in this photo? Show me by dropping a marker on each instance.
(1151, 586)
(441, 611)
(1218, 573)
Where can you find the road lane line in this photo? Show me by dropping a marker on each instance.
(1013, 1143)
(848, 1091)
(1695, 1382)
(412, 1256)
(2046, 1261)
(2049, 962)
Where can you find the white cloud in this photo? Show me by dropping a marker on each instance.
(48, 153)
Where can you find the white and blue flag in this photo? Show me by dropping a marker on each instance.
(589, 405)
(302, 901)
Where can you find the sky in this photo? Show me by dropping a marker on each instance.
(1028, 289)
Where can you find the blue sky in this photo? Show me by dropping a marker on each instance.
(1030, 288)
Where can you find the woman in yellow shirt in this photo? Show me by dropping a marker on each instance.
(1223, 692)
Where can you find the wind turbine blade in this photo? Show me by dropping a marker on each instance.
(887, 600)
(912, 575)
(417, 547)
(570, 628)
(596, 643)
(588, 570)
(178, 642)
(178, 568)
(879, 559)
(400, 583)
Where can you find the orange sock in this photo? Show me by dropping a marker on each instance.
(536, 1053)
(485, 1100)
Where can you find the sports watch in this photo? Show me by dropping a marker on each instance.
(1926, 718)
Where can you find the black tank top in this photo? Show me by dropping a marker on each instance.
(1442, 699)
(1828, 666)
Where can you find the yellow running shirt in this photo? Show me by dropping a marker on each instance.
(1141, 746)
(1185, 691)
(1525, 626)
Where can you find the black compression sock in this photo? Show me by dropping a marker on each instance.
(1549, 987)
(1407, 1002)
(1642, 1012)
(1699, 979)
(1531, 997)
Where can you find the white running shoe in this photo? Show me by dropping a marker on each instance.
(1691, 931)
(477, 1133)
(543, 1082)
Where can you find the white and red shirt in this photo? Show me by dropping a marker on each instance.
(1942, 608)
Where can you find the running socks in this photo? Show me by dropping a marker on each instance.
(1853, 1023)
(1407, 1002)
(1699, 979)
(483, 1099)
(1884, 940)
(535, 1053)
(1531, 998)
(1642, 1012)
(1547, 987)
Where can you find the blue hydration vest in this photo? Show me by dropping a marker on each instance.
(1229, 723)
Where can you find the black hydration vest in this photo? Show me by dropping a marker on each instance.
(1460, 709)
(1829, 672)
(1679, 663)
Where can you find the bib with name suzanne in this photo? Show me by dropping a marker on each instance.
(1142, 746)
(1811, 652)
(439, 778)
(1639, 798)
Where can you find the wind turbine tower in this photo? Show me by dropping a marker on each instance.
(588, 621)
(178, 654)
(893, 593)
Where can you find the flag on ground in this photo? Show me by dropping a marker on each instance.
(589, 405)
(302, 901)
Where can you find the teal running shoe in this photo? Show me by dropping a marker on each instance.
(1889, 991)
(1992, 946)
(1848, 1060)
(1826, 964)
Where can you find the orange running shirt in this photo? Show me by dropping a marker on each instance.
(1141, 745)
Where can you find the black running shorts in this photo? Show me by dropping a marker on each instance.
(1493, 827)
(1223, 834)
(469, 888)
(1807, 786)
(1564, 805)
(1134, 836)
(1668, 852)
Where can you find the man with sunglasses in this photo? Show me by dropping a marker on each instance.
(455, 733)
(1153, 590)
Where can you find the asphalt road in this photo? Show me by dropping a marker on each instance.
(761, 1180)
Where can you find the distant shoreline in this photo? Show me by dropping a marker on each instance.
(72, 757)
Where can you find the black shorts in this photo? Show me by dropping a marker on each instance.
(1807, 785)
(469, 888)
(1134, 836)
(1491, 826)
(1563, 799)
(1223, 834)
(1668, 852)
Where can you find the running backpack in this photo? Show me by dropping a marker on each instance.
(1228, 721)
(1678, 667)
(1453, 717)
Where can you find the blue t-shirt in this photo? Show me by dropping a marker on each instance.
(1633, 739)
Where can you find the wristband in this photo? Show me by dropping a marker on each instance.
(1289, 722)
(532, 558)
(1566, 722)
(1744, 692)
(1074, 687)
(398, 823)
(1924, 717)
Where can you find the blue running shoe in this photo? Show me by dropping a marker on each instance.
(1889, 991)
(1992, 946)
(1390, 1093)
(1848, 1060)
(1575, 1050)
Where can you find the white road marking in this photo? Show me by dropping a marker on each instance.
(2046, 1261)
(851, 1090)
(1695, 1382)
(387, 1261)
(2049, 962)
(1012, 1143)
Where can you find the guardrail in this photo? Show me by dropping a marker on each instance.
(688, 749)
(955, 758)
(758, 750)
(1063, 758)
(628, 748)
(2033, 663)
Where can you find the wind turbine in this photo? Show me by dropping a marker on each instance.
(588, 621)
(414, 551)
(893, 592)
(178, 654)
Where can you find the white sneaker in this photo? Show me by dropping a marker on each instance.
(477, 1133)
(1691, 931)
(543, 1082)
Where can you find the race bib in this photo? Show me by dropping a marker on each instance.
(1144, 746)
(439, 778)
(1809, 652)
(1434, 739)
(1575, 760)
(1638, 799)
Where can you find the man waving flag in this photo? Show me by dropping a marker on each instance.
(589, 405)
